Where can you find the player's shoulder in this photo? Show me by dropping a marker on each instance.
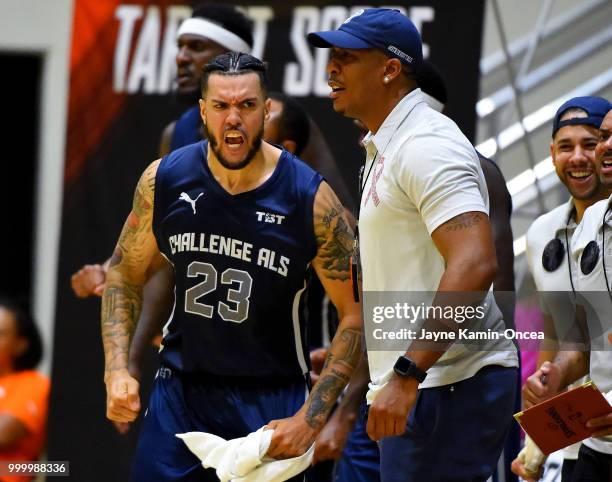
(303, 175)
(184, 155)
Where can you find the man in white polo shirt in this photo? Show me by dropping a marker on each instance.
(591, 251)
(574, 137)
(591, 255)
(423, 228)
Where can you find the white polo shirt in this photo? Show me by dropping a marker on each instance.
(598, 303)
(420, 172)
(554, 287)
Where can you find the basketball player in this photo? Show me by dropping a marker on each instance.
(240, 221)
(231, 31)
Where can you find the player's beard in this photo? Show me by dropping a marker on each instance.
(214, 145)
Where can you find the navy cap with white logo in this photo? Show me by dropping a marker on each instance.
(380, 28)
(596, 109)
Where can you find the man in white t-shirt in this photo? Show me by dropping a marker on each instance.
(574, 137)
(424, 231)
(589, 253)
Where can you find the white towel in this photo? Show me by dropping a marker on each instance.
(531, 456)
(244, 459)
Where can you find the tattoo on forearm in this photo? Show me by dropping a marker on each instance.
(328, 359)
(348, 350)
(463, 221)
(344, 354)
(340, 375)
(122, 299)
(121, 308)
(322, 400)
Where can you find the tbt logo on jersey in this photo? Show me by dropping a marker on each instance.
(269, 217)
(185, 197)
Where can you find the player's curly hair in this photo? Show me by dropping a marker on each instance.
(236, 63)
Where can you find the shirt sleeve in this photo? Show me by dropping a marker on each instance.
(27, 401)
(442, 178)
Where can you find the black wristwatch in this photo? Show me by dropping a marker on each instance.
(405, 367)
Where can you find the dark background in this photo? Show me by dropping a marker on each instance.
(20, 91)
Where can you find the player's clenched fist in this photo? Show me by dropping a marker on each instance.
(122, 398)
(89, 280)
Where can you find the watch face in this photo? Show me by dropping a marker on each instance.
(403, 365)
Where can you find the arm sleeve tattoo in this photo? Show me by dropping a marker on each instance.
(122, 299)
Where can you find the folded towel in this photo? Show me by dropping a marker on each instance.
(244, 459)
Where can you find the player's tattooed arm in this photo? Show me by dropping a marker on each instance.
(122, 298)
(293, 436)
(333, 234)
(332, 264)
(343, 357)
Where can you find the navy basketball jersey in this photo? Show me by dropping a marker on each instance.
(240, 263)
(187, 129)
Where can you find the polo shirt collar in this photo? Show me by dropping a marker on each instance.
(383, 136)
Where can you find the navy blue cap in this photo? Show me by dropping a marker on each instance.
(380, 28)
(596, 109)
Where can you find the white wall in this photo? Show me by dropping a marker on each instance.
(43, 27)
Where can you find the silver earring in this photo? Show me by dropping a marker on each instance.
(386, 79)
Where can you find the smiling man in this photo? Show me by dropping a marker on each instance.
(572, 149)
(603, 151)
(240, 221)
(590, 258)
(423, 227)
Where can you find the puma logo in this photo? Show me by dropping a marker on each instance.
(185, 197)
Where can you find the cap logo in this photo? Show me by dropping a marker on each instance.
(400, 53)
(356, 14)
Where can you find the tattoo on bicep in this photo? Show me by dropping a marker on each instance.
(463, 221)
(334, 239)
(132, 241)
(330, 215)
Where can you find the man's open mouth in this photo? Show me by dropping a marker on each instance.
(233, 138)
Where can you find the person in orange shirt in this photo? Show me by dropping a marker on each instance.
(23, 391)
